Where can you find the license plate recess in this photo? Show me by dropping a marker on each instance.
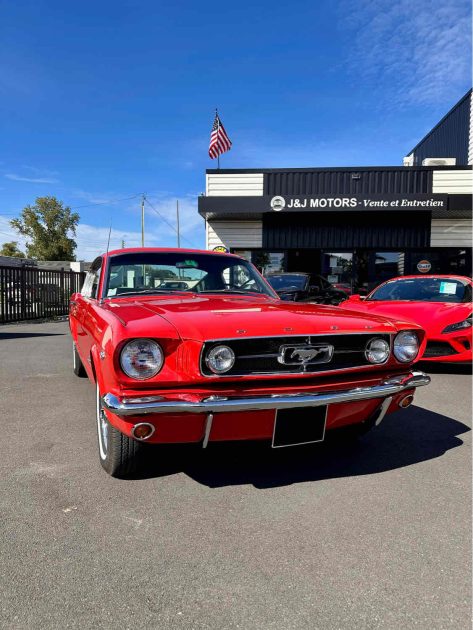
(299, 425)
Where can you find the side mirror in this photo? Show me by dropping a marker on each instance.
(356, 297)
(314, 289)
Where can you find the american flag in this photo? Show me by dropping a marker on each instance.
(219, 141)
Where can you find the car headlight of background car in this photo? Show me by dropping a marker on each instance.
(141, 358)
(466, 323)
(220, 359)
(406, 346)
(377, 350)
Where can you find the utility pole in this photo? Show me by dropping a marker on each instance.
(143, 198)
(177, 220)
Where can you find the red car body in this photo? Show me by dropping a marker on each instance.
(185, 403)
(434, 317)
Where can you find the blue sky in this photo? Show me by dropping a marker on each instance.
(101, 101)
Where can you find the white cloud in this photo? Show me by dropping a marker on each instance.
(410, 52)
(8, 234)
(31, 180)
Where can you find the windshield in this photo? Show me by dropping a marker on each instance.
(176, 272)
(424, 290)
(287, 281)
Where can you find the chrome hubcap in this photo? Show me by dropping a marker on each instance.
(104, 430)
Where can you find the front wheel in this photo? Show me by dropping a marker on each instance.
(119, 455)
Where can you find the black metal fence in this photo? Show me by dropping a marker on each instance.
(34, 293)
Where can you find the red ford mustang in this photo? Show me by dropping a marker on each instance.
(442, 305)
(192, 346)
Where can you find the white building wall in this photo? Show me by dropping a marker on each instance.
(452, 182)
(237, 234)
(451, 233)
(234, 185)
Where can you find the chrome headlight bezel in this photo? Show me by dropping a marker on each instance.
(129, 357)
(404, 343)
(211, 359)
(369, 350)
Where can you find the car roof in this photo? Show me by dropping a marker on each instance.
(165, 250)
(433, 275)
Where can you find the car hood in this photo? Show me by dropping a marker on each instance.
(208, 317)
(432, 316)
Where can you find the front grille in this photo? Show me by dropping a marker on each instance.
(439, 349)
(260, 355)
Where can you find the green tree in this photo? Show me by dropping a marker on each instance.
(48, 226)
(11, 249)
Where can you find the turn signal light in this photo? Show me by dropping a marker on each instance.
(142, 431)
(406, 401)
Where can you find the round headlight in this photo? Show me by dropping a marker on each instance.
(220, 359)
(141, 358)
(377, 351)
(406, 346)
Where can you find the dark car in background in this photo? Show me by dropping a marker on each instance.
(305, 287)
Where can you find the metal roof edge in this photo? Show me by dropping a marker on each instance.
(230, 171)
(452, 109)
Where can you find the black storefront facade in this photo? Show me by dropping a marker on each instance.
(355, 226)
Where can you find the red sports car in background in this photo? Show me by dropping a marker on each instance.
(441, 304)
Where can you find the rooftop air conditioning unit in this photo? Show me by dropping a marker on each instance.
(439, 162)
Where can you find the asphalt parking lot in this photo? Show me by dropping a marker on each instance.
(371, 535)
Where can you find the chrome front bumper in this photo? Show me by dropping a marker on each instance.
(144, 405)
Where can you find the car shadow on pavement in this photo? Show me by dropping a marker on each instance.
(24, 335)
(445, 368)
(404, 438)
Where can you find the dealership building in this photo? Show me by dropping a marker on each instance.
(353, 225)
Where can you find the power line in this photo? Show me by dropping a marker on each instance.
(104, 203)
(167, 222)
(87, 205)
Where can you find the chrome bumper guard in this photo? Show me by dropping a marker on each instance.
(144, 405)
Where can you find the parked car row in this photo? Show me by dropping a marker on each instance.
(441, 304)
(306, 287)
(226, 359)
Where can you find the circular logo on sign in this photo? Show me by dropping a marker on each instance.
(424, 266)
(277, 203)
(220, 249)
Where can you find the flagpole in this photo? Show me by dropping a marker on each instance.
(218, 128)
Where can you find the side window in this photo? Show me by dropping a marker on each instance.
(315, 281)
(95, 283)
(92, 280)
(87, 286)
(238, 277)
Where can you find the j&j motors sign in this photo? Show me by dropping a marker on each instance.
(212, 207)
(382, 202)
(371, 202)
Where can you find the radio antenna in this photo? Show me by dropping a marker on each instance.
(108, 247)
(109, 234)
